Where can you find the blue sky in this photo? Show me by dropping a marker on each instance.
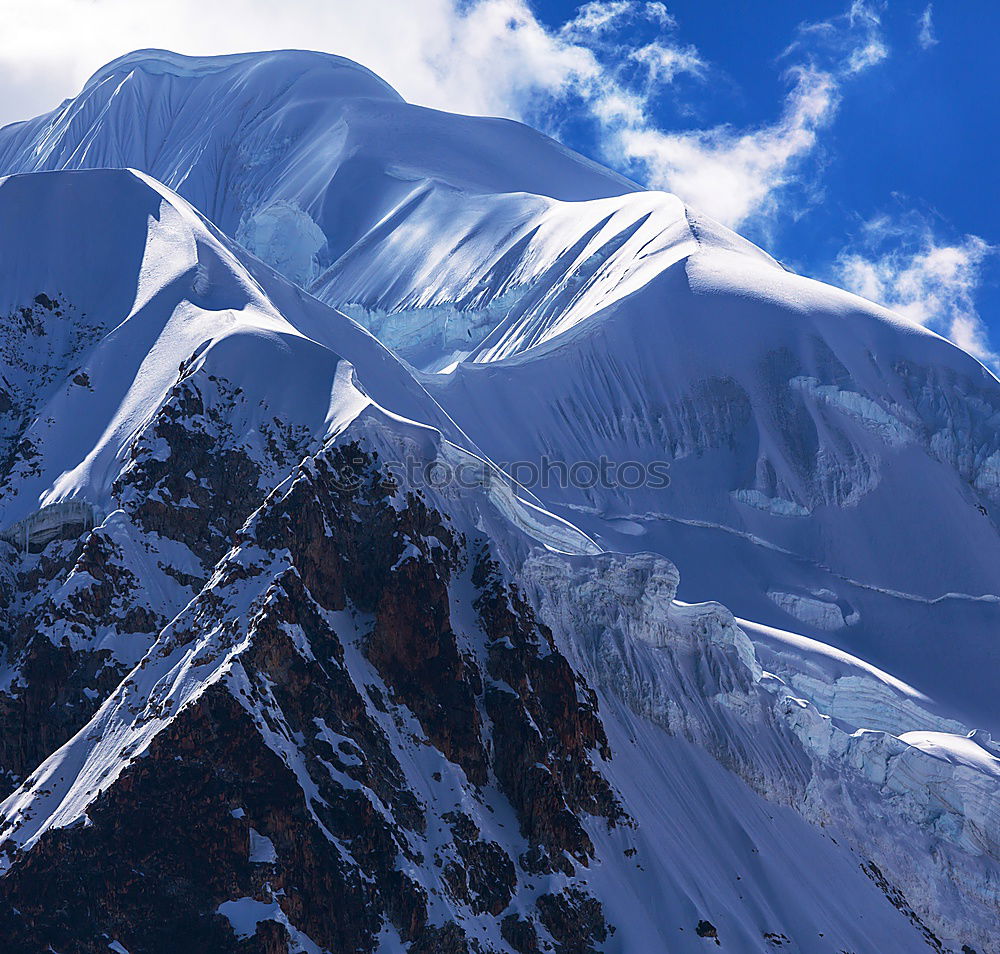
(857, 141)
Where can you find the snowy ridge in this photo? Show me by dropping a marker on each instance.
(196, 309)
(310, 136)
(518, 269)
(226, 327)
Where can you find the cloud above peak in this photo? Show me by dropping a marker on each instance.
(594, 65)
(904, 264)
(737, 175)
(734, 174)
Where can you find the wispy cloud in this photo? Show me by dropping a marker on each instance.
(736, 175)
(598, 16)
(663, 63)
(872, 49)
(925, 35)
(903, 264)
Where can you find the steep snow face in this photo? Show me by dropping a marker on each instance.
(476, 278)
(398, 741)
(818, 730)
(828, 462)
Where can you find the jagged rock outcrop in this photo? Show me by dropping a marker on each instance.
(282, 735)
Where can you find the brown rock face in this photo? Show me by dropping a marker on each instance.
(341, 716)
(65, 600)
(416, 652)
(574, 920)
(544, 730)
(163, 850)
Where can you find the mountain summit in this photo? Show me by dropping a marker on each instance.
(302, 653)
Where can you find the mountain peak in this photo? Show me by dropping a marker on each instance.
(342, 77)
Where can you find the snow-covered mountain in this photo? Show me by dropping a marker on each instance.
(835, 470)
(265, 690)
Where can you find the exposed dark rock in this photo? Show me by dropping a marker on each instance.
(574, 919)
(520, 934)
(204, 488)
(86, 590)
(163, 850)
(707, 929)
(447, 939)
(485, 877)
(288, 741)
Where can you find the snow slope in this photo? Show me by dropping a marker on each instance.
(833, 738)
(830, 465)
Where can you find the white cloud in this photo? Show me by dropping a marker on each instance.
(599, 16)
(872, 49)
(738, 175)
(663, 63)
(872, 52)
(657, 12)
(733, 174)
(925, 36)
(933, 282)
(596, 16)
